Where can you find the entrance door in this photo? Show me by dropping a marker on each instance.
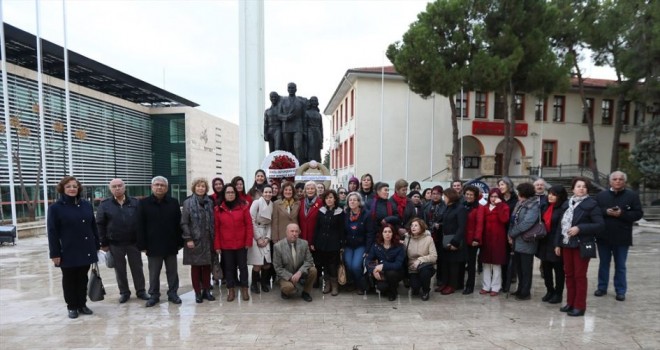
(499, 157)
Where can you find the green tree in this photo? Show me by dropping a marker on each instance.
(516, 56)
(571, 35)
(326, 159)
(646, 154)
(435, 53)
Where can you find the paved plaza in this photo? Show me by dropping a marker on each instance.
(33, 315)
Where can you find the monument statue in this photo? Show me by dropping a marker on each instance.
(314, 135)
(292, 111)
(273, 124)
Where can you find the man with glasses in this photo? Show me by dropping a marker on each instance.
(159, 236)
(116, 219)
(621, 208)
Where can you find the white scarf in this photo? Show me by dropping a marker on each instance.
(265, 209)
(567, 219)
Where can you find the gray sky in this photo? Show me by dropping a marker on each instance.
(191, 47)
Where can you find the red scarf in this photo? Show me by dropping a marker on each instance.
(400, 204)
(547, 217)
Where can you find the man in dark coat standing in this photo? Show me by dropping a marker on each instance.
(621, 208)
(159, 236)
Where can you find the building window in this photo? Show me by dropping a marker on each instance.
(352, 103)
(341, 116)
(540, 110)
(585, 154)
(481, 105)
(589, 111)
(177, 131)
(625, 113)
(346, 110)
(519, 110)
(500, 106)
(178, 163)
(606, 107)
(462, 106)
(638, 117)
(351, 150)
(471, 162)
(549, 153)
(558, 109)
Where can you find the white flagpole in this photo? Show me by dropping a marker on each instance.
(432, 134)
(462, 136)
(407, 131)
(541, 153)
(67, 96)
(5, 96)
(382, 104)
(42, 122)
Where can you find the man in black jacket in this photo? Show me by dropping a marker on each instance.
(621, 208)
(159, 236)
(116, 219)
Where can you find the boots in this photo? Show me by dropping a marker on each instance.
(206, 294)
(245, 294)
(334, 286)
(256, 277)
(265, 281)
(198, 298)
(326, 286)
(556, 297)
(548, 295)
(231, 294)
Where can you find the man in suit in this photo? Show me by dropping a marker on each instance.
(294, 264)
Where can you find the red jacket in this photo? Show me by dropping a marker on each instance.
(493, 245)
(308, 222)
(233, 227)
(474, 227)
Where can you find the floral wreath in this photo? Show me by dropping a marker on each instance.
(280, 166)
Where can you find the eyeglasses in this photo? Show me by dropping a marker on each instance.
(342, 192)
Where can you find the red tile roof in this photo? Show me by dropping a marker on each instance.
(588, 82)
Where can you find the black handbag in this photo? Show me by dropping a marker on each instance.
(95, 290)
(587, 249)
(536, 232)
(446, 240)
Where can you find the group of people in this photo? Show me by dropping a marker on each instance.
(298, 235)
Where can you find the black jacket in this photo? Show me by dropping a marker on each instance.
(359, 232)
(72, 232)
(433, 215)
(618, 231)
(159, 226)
(329, 233)
(117, 223)
(453, 223)
(546, 249)
(588, 217)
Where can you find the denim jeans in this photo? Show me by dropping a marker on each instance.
(605, 254)
(353, 258)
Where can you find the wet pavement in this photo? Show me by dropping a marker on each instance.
(33, 314)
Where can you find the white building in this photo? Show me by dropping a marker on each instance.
(380, 126)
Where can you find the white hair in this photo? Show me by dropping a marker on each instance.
(159, 178)
(619, 172)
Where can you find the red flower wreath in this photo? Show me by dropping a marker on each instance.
(283, 162)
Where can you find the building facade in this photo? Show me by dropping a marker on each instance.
(123, 128)
(380, 126)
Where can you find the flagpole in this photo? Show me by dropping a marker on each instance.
(5, 96)
(42, 122)
(67, 96)
(382, 104)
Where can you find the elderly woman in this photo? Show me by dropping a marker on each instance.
(73, 242)
(233, 236)
(197, 224)
(474, 229)
(422, 255)
(309, 210)
(329, 235)
(259, 255)
(385, 261)
(525, 215)
(551, 264)
(359, 235)
(454, 253)
(582, 220)
(492, 253)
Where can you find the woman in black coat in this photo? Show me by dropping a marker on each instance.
(73, 241)
(552, 265)
(454, 253)
(581, 222)
(329, 237)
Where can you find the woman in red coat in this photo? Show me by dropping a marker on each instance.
(493, 247)
(233, 236)
(473, 232)
(307, 214)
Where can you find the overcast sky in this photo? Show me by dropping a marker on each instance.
(191, 47)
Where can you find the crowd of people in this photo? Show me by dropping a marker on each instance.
(297, 236)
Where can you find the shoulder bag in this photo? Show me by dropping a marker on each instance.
(536, 232)
(95, 290)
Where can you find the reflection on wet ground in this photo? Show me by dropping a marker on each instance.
(33, 315)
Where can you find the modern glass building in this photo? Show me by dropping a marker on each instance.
(121, 127)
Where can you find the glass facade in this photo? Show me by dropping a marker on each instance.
(108, 141)
(169, 151)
